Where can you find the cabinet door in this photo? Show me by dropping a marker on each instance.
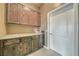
(20, 49)
(13, 13)
(1, 47)
(20, 16)
(1, 43)
(41, 41)
(10, 50)
(38, 19)
(1, 51)
(34, 18)
(23, 17)
(25, 46)
(35, 44)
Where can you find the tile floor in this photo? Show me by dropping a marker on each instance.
(44, 52)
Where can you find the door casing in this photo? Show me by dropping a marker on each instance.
(75, 6)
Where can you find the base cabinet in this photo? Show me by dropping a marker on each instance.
(20, 46)
(41, 41)
(1, 50)
(10, 50)
(25, 46)
(35, 43)
(20, 49)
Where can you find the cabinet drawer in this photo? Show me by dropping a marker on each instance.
(11, 41)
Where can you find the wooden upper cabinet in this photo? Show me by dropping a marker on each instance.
(12, 13)
(17, 14)
(23, 17)
(37, 18)
(34, 18)
(20, 12)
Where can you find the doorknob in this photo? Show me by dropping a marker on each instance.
(50, 33)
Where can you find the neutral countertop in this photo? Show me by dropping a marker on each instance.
(11, 36)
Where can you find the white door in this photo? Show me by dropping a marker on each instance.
(61, 32)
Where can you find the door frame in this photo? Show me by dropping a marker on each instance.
(75, 6)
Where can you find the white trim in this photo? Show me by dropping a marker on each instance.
(48, 38)
(76, 29)
(60, 7)
(46, 48)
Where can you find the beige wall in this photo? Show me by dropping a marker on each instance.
(15, 28)
(2, 19)
(44, 10)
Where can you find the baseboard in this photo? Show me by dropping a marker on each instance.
(46, 47)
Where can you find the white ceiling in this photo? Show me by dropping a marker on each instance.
(33, 6)
(36, 6)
